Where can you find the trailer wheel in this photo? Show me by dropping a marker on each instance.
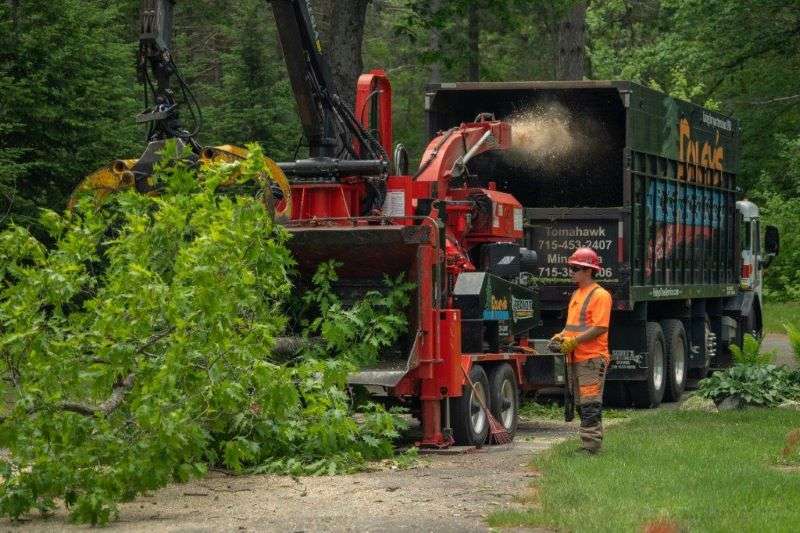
(470, 425)
(504, 396)
(676, 349)
(650, 392)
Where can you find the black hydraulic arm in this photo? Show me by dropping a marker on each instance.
(328, 124)
(309, 74)
(156, 69)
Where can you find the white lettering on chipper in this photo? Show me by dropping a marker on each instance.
(576, 232)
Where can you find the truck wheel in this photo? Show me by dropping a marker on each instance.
(504, 396)
(470, 425)
(752, 326)
(697, 374)
(650, 392)
(675, 348)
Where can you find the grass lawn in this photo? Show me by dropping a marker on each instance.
(696, 471)
(776, 314)
(554, 411)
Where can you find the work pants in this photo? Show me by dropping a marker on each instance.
(590, 377)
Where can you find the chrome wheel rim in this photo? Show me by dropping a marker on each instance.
(507, 396)
(658, 367)
(679, 363)
(477, 414)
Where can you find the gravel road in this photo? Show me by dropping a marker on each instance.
(441, 493)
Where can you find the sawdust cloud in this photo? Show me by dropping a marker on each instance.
(550, 138)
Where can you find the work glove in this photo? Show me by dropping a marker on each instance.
(555, 342)
(568, 345)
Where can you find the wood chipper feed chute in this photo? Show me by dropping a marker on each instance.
(365, 255)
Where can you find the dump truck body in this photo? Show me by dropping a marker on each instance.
(646, 180)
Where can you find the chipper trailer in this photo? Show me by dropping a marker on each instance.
(473, 303)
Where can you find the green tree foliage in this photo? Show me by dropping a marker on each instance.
(742, 54)
(230, 56)
(65, 99)
(139, 349)
(782, 282)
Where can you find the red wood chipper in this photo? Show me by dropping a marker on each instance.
(454, 236)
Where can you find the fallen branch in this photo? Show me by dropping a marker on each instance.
(121, 387)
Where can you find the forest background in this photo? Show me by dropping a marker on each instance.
(68, 89)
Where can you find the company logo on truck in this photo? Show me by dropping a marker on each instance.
(498, 309)
(706, 156)
(576, 231)
(521, 308)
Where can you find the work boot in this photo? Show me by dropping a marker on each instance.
(580, 450)
(591, 437)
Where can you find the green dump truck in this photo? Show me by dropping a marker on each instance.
(649, 182)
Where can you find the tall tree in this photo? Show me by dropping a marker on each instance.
(341, 29)
(434, 47)
(571, 55)
(473, 41)
(66, 98)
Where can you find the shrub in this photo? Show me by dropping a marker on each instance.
(750, 352)
(138, 349)
(794, 339)
(764, 385)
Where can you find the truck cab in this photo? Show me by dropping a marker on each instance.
(756, 256)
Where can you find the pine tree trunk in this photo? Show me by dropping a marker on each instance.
(341, 30)
(434, 45)
(473, 39)
(571, 54)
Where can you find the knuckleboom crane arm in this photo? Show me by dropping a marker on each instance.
(330, 127)
(155, 70)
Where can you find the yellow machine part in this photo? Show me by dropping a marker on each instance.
(104, 181)
(229, 153)
(118, 176)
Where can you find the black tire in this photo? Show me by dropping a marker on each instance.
(615, 394)
(470, 425)
(504, 396)
(650, 392)
(752, 325)
(676, 349)
(697, 374)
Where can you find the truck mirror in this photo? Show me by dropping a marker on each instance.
(772, 242)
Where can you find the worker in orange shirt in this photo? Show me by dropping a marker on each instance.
(584, 343)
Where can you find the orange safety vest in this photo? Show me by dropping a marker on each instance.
(589, 307)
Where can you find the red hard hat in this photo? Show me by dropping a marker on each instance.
(585, 257)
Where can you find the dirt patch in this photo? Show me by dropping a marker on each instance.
(442, 493)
